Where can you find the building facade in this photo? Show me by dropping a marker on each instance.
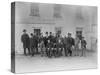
(55, 17)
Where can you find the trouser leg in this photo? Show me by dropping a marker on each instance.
(49, 52)
(57, 51)
(61, 51)
(25, 50)
(66, 51)
(69, 51)
(37, 50)
(82, 52)
(32, 51)
(42, 52)
(75, 51)
(28, 50)
(46, 52)
(54, 52)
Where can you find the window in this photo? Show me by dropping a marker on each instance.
(79, 32)
(58, 30)
(57, 11)
(34, 10)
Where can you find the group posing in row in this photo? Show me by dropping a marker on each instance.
(51, 45)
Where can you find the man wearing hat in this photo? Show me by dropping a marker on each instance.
(70, 43)
(50, 37)
(26, 42)
(83, 46)
(46, 39)
(49, 49)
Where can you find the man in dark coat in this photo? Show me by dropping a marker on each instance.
(32, 44)
(49, 49)
(26, 41)
(54, 51)
(45, 39)
(65, 45)
(36, 41)
(83, 46)
(70, 43)
(50, 37)
(59, 47)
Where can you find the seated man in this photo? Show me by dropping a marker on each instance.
(49, 48)
(59, 48)
(42, 47)
(54, 51)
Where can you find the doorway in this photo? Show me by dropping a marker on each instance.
(37, 31)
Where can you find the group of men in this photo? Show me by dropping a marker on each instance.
(51, 45)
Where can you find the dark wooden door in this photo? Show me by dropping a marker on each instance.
(37, 31)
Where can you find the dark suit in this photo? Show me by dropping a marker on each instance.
(36, 41)
(26, 42)
(50, 38)
(70, 42)
(49, 49)
(59, 49)
(65, 46)
(45, 41)
(32, 45)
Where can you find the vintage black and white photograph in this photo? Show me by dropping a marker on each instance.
(53, 37)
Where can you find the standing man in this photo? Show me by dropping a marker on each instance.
(83, 46)
(45, 39)
(36, 41)
(26, 42)
(50, 37)
(49, 49)
(59, 48)
(42, 47)
(70, 43)
(32, 44)
(77, 41)
(46, 42)
(65, 45)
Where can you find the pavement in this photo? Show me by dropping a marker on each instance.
(37, 63)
